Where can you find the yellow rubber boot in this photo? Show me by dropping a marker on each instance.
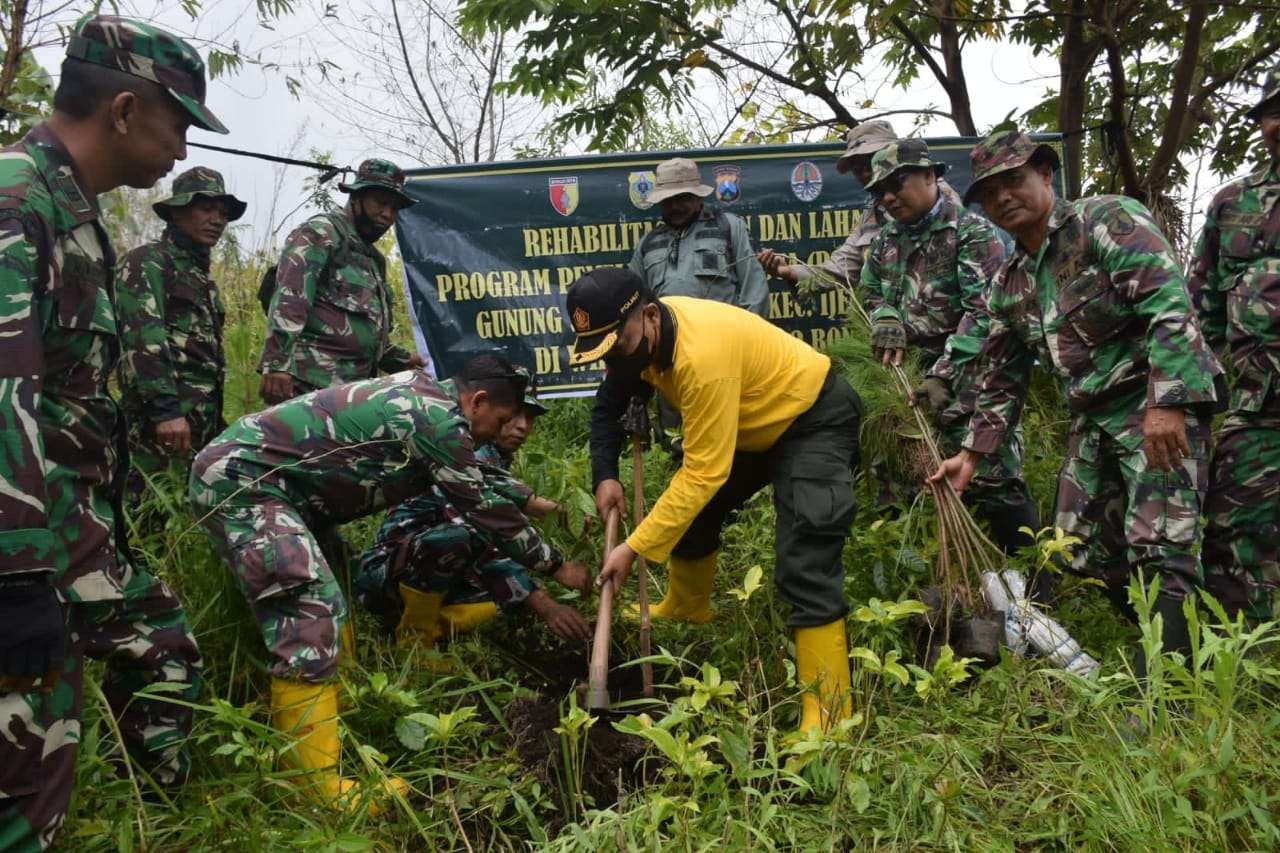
(822, 666)
(310, 713)
(420, 621)
(456, 619)
(688, 597)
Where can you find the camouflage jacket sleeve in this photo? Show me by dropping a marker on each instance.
(1207, 295)
(1003, 371)
(395, 359)
(306, 254)
(141, 284)
(494, 516)
(979, 254)
(753, 287)
(873, 284)
(506, 484)
(26, 543)
(1141, 266)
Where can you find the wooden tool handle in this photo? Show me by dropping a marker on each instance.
(598, 668)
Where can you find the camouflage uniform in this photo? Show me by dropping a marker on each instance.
(932, 276)
(329, 321)
(61, 470)
(1104, 305)
(710, 258)
(324, 459)
(1235, 279)
(171, 317)
(428, 544)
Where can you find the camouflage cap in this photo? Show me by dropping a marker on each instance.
(1002, 151)
(903, 154)
(382, 174)
(677, 176)
(200, 181)
(530, 390)
(1270, 91)
(867, 138)
(147, 52)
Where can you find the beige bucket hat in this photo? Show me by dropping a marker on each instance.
(677, 176)
(867, 138)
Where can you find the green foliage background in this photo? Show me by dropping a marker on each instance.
(1017, 757)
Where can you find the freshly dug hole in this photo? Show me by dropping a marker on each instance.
(612, 759)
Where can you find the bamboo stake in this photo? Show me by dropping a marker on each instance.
(637, 480)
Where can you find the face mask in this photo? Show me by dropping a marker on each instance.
(630, 366)
(369, 231)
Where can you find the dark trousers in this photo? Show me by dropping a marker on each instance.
(811, 469)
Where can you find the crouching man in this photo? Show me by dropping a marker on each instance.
(760, 407)
(428, 563)
(327, 458)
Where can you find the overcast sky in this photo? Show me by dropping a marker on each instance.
(263, 116)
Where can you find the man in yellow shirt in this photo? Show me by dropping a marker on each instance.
(760, 407)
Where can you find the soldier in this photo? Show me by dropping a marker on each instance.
(1093, 291)
(170, 317)
(760, 407)
(845, 264)
(930, 266)
(698, 250)
(425, 547)
(270, 480)
(1235, 279)
(68, 587)
(329, 320)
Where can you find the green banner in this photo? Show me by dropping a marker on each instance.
(490, 250)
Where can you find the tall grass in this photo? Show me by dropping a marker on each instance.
(1020, 756)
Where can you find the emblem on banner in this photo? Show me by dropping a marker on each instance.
(581, 321)
(806, 181)
(728, 183)
(639, 184)
(564, 194)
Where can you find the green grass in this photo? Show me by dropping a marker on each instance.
(1018, 757)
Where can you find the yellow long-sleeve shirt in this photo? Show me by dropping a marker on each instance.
(738, 382)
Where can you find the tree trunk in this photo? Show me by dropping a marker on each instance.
(1176, 128)
(955, 83)
(13, 50)
(1075, 60)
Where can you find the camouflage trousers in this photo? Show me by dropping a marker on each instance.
(1242, 537)
(1129, 516)
(144, 639)
(432, 555)
(284, 573)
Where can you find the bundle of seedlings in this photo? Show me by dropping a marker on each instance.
(974, 602)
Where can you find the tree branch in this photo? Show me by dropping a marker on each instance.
(1115, 109)
(13, 50)
(1174, 131)
(426, 109)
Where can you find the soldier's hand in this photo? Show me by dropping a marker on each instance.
(774, 266)
(1164, 437)
(540, 507)
(563, 620)
(174, 436)
(609, 495)
(958, 470)
(934, 394)
(575, 575)
(33, 633)
(276, 388)
(889, 341)
(416, 362)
